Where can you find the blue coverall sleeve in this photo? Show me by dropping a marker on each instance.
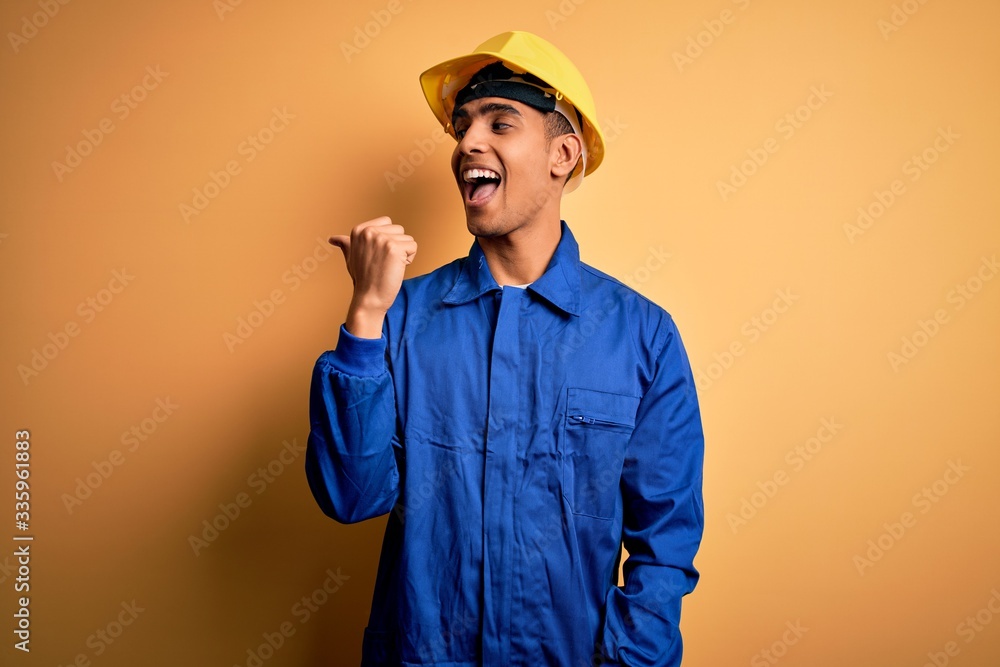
(663, 517)
(351, 453)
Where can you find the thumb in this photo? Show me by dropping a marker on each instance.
(343, 242)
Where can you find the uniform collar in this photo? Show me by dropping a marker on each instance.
(559, 285)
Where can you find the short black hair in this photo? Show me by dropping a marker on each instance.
(556, 125)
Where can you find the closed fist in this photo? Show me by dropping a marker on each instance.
(377, 253)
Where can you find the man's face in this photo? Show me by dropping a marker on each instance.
(502, 164)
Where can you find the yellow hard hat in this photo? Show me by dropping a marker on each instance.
(521, 52)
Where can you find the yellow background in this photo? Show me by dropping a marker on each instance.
(677, 128)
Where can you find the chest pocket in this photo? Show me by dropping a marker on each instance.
(596, 432)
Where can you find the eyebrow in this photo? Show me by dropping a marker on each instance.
(488, 108)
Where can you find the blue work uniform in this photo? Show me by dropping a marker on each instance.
(516, 437)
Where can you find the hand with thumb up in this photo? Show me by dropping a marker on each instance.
(377, 253)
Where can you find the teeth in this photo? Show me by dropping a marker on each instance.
(472, 174)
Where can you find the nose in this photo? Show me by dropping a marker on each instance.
(474, 139)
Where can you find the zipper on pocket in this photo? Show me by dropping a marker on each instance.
(585, 419)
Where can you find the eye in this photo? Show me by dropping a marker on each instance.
(499, 125)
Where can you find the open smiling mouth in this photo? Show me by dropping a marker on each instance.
(479, 185)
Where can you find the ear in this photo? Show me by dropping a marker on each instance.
(564, 155)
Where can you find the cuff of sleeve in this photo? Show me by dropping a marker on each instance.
(363, 357)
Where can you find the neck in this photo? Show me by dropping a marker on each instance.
(522, 255)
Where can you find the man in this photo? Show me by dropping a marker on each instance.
(518, 413)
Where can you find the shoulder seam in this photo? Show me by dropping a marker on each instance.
(609, 278)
